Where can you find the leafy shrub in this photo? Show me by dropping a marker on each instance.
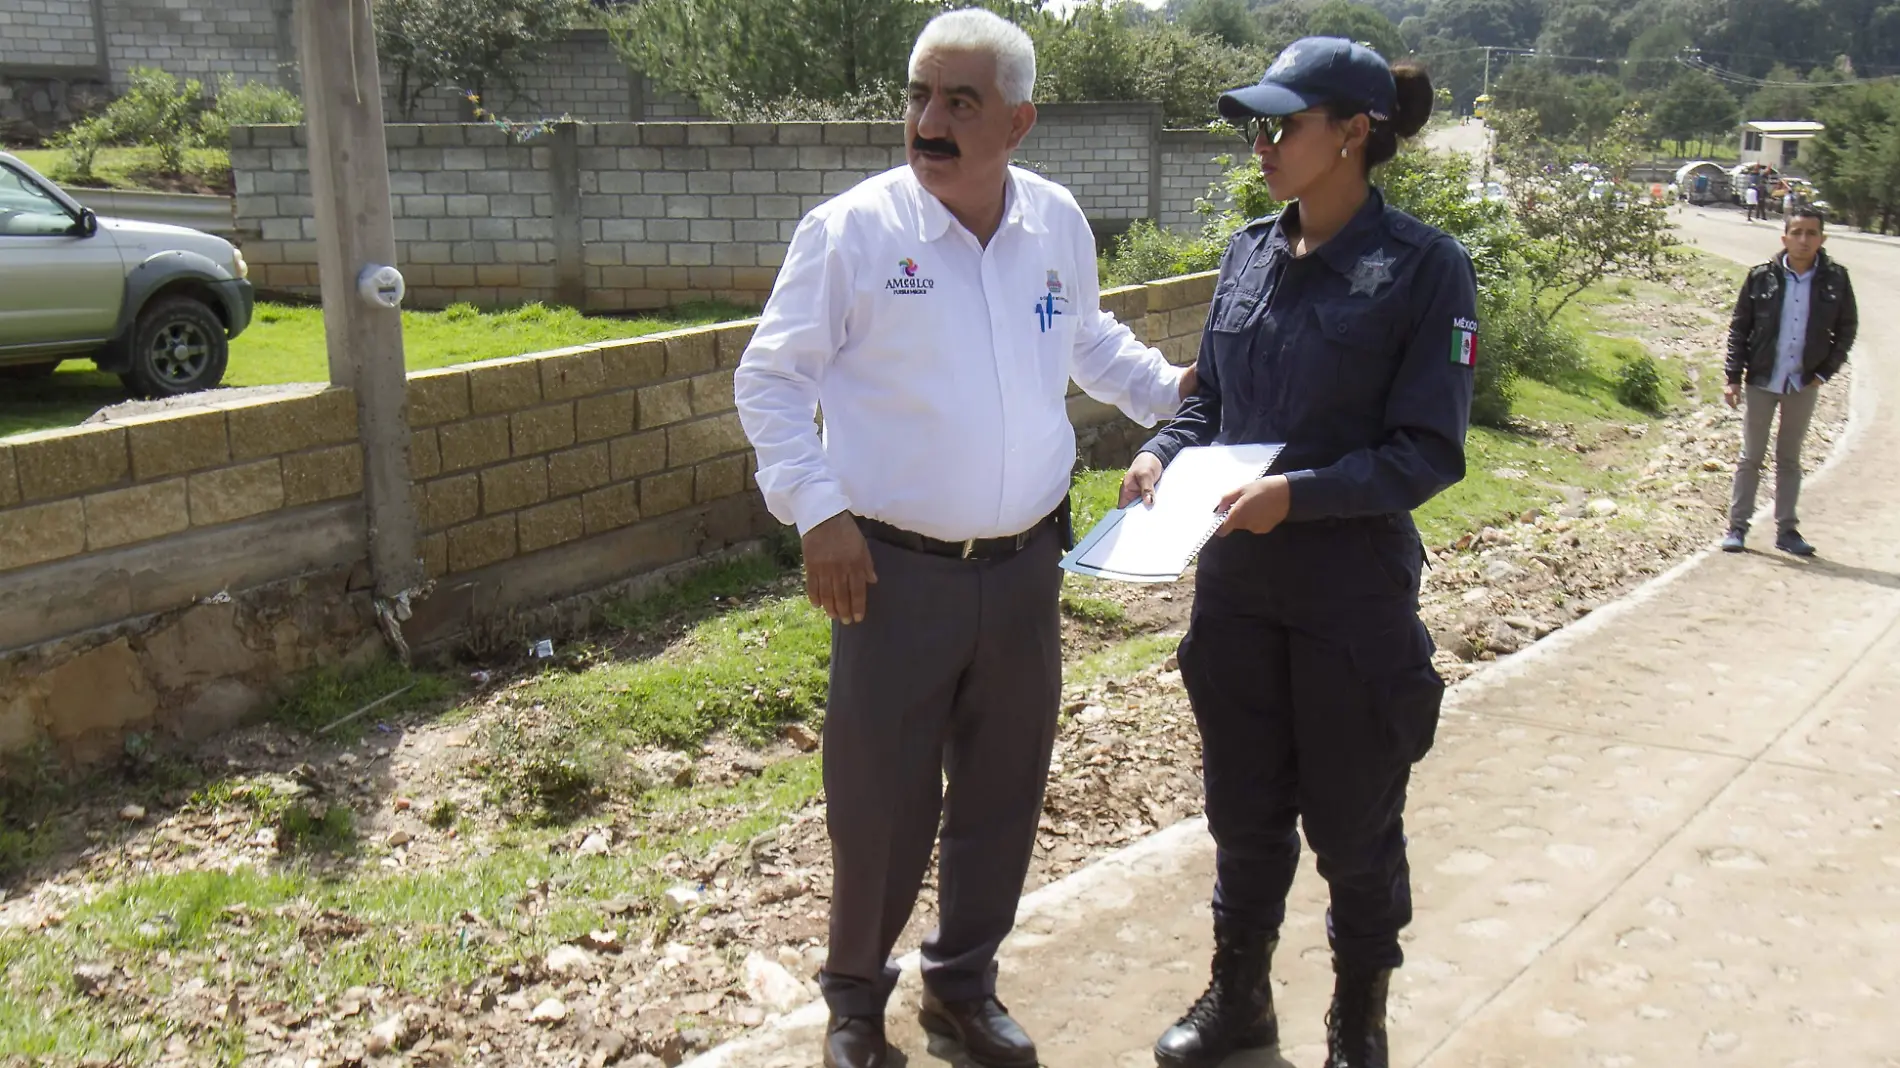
(1515, 341)
(1639, 383)
(158, 112)
(81, 142)
(246, 104)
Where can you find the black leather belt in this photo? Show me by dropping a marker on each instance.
(973, 549)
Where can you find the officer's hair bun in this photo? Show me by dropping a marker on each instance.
(1414, 98)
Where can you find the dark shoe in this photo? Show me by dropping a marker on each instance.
(1734, 541)
(1236, 1012)
(983, 1027)
(1355, 1025)
(855, 1042)
(1791, 541)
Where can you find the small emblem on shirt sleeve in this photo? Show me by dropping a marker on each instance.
(1464, 342)
(1373, 270)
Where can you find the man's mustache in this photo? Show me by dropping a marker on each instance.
(936, 146)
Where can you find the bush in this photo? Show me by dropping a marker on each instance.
(158, 112)
(81, 142)
(247, 104)
(1515, 341)
(1639, 384)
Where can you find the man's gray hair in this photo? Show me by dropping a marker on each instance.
(976, 30)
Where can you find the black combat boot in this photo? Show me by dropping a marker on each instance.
(1237, 1010)
(1355, 1025)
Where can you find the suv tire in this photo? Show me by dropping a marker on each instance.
(179, 346)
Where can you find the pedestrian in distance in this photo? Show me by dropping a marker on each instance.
(936, 313)
(1752, 197)
(1346, 330)
(1792, 327)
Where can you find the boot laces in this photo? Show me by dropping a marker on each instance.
(1222, 989)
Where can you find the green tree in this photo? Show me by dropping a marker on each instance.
(1227, 21)
(465, 45)
(1781, 102)
(1357, 22)
(1695, 107)
(1597, 102)
(746, 58)
(1856, 159)
(1580, 28)
(1102, 54)
(1538, 88)
(1651, 61)
(1504, 23)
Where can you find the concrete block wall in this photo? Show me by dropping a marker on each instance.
(250, 39)
(1189, 167)
(48, 33)
(649, 214)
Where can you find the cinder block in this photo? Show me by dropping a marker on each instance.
(474, 443)
(664, 493)
(691, 352)
(70, 460)
(611, 508)
(425, 455)
(437, 397)
(550, 524)
(665, 403)
(172, 443)
(135, 514)
(483, 542)
(571, 374)
(38, 533)
(634, 362)
(323, 475)
(702, 439)
(435, 556)
(846, 133)
(9, 479)
(540, 430)
(638, 454)
(718, 479)
(712, 393)
(504, 385)
(445, 502)
(607, 415)
(233, 493)
(730, 340)
(514, 486)
(579, 470)
(272, 427)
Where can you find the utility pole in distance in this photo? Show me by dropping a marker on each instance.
(356, 256)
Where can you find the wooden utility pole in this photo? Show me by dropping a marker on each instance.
(349, 178)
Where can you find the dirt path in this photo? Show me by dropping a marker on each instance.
(1671, 835)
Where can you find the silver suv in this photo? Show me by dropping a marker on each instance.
(156, 305)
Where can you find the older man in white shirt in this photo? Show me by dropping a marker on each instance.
(936, 313)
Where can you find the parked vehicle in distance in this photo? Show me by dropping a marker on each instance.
(156, 305)
(1492, 191)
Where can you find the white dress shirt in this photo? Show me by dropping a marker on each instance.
(942, 366)
(1797, 289)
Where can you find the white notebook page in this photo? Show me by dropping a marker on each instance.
(1157, 543)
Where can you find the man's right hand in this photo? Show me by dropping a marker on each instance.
(1139, 482)
(838, 568)
(1733, 395)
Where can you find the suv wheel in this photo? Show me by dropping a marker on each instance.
(179, 346)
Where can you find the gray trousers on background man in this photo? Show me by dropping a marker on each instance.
(1758, 412)
(955, 674)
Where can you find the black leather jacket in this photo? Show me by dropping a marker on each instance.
(1754, 330)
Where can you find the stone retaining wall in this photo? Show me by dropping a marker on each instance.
(167, 572)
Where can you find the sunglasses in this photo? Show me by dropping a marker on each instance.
(1273, 128)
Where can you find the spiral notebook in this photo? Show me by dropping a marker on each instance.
(1143, 543)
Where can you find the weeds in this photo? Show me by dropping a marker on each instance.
(327, 695)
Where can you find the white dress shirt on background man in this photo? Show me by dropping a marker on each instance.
(942, 366)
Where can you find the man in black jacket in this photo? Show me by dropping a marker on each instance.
(1792, 327)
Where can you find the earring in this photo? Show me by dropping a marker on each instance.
(1342, 153)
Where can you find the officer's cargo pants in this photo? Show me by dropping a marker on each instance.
(1311, 679)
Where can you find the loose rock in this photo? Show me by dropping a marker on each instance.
(551, 1011)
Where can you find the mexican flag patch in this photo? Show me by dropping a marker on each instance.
(1464, 342)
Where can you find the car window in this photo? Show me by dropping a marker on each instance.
(26, 210)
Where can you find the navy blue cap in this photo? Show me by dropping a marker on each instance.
(1314, 71)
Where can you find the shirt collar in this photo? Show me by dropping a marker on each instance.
(1343, 250)
(933, 219)
(1803, 275)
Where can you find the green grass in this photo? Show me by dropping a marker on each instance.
(132, 168)
(286, 343)
(326, 695)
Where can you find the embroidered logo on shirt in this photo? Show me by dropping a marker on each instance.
(1373, 270)
(1464, 342)
(909, 284)
(1055, 282)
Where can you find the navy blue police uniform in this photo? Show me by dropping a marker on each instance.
(1308, 667)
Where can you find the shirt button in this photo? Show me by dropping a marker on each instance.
(1339, 328)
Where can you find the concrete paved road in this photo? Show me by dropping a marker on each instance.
(1670, 835)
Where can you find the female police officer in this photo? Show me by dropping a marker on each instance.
(1346, 330)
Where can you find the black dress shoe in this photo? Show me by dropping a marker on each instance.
(855, 1042)
(984, 1028)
